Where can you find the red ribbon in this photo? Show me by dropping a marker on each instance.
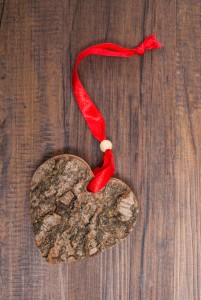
(91, 113)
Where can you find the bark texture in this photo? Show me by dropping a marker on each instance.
(71, 223)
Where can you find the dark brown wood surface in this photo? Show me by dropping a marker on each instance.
(152, 107)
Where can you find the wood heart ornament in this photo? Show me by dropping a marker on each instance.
(77, 212)
(71, 223)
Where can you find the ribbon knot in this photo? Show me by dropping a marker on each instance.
(90, 112)
(140, 50)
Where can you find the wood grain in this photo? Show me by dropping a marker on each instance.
(152, 107)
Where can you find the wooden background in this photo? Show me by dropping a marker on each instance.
(152, 107)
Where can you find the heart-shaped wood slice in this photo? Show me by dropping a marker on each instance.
(70, 223)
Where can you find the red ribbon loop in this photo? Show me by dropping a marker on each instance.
(103, 174)
(91, 113)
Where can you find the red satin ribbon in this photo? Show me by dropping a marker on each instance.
(91, 113)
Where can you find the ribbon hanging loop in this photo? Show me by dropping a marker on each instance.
(91, 113)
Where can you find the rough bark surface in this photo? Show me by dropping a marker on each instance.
(71, 223)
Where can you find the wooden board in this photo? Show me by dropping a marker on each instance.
(152, 107)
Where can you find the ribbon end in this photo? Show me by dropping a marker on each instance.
(152, 43)
(149, 43)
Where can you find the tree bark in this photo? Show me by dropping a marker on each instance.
(71, 223)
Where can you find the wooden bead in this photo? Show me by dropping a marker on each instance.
(105, 145)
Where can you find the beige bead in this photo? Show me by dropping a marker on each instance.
(105, 145)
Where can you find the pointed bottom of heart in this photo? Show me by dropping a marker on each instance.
(71, 223)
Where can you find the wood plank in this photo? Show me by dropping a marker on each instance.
(187, 258)
(152, 109)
